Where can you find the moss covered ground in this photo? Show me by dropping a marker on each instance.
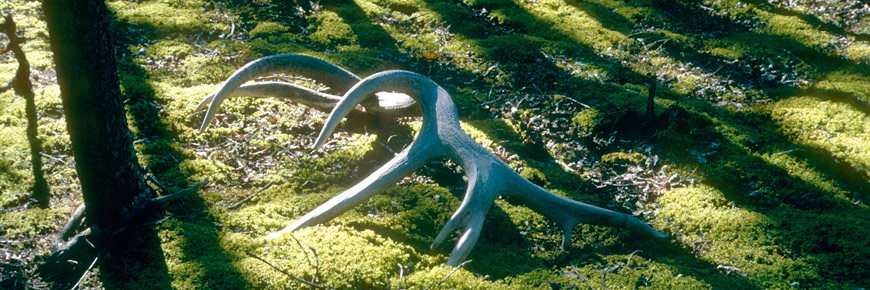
(757, 161)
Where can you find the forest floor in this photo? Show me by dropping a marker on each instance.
(757, 161)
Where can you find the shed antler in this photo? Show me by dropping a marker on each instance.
(337, 78)
(442, 137)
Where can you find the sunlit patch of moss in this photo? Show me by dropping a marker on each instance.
(179, 17)
(846, 82)
(798, 30)
(329, 29)
(624, 271)
(14, 175)
(837, 127)
(336, 167)
(330, 256)
(201, 169)
(859, 52)
(700, 217)
(411, 214)
(629, 158)
(460, 279)
(586, 120)
(800, 169)
(273, 209)
(266, 29)
(166, 48)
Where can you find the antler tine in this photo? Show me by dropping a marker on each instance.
(282, 90)
(568, 213)
(394, 103)
(323, 71)
(420, 151)
(409, 83)
(408, 160)
(469, 217)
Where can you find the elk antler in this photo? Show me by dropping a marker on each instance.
(488, 177)
(329, 74)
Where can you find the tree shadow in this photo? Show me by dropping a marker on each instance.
(736, 170)
(144, 264)
(734, 182)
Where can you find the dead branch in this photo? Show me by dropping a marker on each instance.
(306, 282)
(88, 245)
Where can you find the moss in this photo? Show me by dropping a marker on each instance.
(329, 29)
(193, 261)
(767, 209)
(633, 158)
(847, 83)
(172, 48)
(329, 255)
(31, 222)
(175, 18)
(459, 279)
(798, 30)
(586, 121)
(836, 127)
(267, 28)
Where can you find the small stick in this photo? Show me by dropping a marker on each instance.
(249, 197)
(401, 273)
(628, 261)
(284, 272)
(574, 269)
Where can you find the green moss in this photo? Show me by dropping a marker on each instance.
(798, 30)
(459, 279)
(31, 222)
(766, 211)
(266, 29)
(633, 158)
(193, 260)
(586, 120)
(330, 256)
(166, 48)
(859, 52)
(847, 83)
(839, 128)
(329, 29)
(169, 18)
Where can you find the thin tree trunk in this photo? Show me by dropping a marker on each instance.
(22, 86)
(101, 141)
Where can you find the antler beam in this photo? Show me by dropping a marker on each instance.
(327, 73)
(442, 137)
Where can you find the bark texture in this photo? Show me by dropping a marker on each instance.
(101, 141)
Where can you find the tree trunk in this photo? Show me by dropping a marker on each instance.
(101, 141)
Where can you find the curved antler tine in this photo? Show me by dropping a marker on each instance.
(282, 90)
(400, 103)
(467, 240)
(471, 213)
(412, 84)
(323, 71)
(205, 102)
(406, 162)
(568, 213)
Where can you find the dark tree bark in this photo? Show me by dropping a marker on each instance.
(101, 141)
(23, 87)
